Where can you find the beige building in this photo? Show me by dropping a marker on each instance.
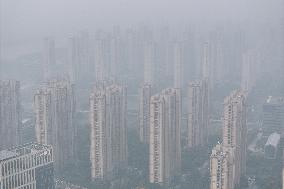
(222, 168)
(144, 112)
(54, 107)
(235, 131)
(10, 114)
(197, 118)
(108, 137)
(165, 152)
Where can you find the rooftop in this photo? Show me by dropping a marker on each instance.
(5, 154)
(30, 148)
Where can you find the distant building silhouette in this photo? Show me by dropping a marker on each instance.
(198, 118)
(10, 114)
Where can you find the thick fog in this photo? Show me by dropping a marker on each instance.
(142, 94)
(28, 19)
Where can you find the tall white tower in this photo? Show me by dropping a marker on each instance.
(235, 130)
(165, 149)
(108, 137)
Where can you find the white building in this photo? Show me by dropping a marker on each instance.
(235, 130)
(222, 168)
(108, 150)
(165, 149)
(144, 112)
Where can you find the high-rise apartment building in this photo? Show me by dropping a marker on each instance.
(144, 112)
(27, 166)
(198, 118)
(235, 131)
(145, 92)
(54, 107)
(10, 114)
(100, 62)
(73, 59)
(222, 168)
(165, 149)
(108, 150)
(79, 57)
(205, 70)
(115, 53)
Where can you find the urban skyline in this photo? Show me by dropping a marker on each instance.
(142, 94)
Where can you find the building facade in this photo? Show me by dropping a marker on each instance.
(27, 166)
(149, 62)
(198, 118)
(54, 107)
(235, 131)
(165, 149)
(144, 112)
(10, 114)
(108, 150)
(222, 168)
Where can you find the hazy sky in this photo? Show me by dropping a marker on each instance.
(35, 18)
